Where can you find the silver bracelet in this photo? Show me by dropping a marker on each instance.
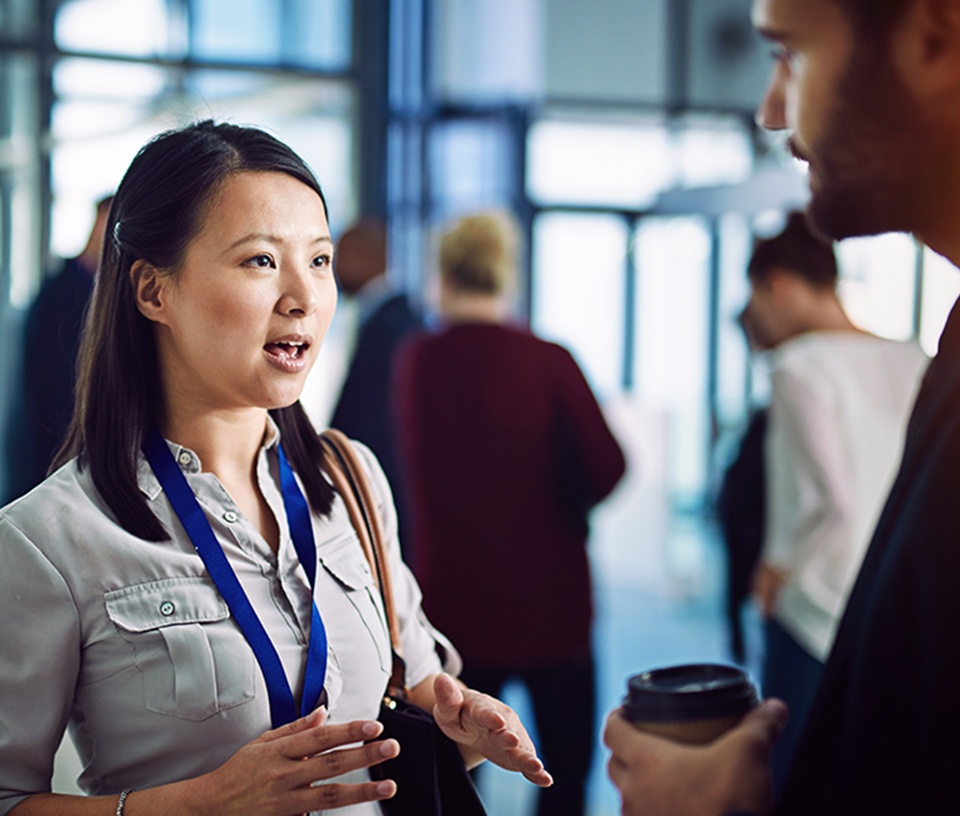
(123, 799)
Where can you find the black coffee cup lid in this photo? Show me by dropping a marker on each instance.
(690, 692)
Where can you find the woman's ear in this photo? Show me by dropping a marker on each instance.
(149, 289)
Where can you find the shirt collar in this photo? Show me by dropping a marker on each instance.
(189, 461)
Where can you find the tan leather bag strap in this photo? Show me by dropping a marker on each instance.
(343, 466)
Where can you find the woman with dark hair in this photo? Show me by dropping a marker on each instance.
(189, 534)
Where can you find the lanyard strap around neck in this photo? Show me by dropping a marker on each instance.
(188, 510)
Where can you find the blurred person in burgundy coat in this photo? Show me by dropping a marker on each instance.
(506, 451)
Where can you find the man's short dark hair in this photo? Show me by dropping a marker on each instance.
(798, 250)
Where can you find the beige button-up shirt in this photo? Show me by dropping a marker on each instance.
(130, 645)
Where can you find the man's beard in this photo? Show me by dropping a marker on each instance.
(865, 167)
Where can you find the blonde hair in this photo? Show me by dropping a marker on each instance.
(479, 254)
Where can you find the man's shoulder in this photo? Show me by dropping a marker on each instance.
(396, 313)
(69, 287)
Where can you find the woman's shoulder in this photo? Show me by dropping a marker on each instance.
(60, 505)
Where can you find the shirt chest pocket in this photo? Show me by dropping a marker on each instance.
(353, 608)
(193, 660)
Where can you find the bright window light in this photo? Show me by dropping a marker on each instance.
(599, 164)
(96, 135)
(673, 307)
(107, 79)
(136, 28)
(733, 357)
(877, 283)
(941, 286)
(578, 290)
(709, 156)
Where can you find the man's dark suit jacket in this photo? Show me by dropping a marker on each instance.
(884, 734)
(741, 513)
(45, 397)
(363, 407)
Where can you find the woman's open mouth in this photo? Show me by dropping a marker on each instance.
(287, 355)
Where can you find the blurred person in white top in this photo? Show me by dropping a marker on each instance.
(840, 400)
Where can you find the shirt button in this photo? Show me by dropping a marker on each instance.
(184, 458)
(167, 608)
(230, 517)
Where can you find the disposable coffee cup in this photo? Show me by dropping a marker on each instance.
(692, 704)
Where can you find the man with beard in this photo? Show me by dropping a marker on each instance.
(870, 90)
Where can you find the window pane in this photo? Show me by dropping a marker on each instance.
(235, 30)
(941, 285)
(298, 32)
(673, 296)
(19, 115)
(578, 290)
(733, 358)
(19, 179)
(321, 35)
(130, 27)
(877, 283)
(606, 164)
(97, 135)
(22, 207)
(713, 152)
(629, 163)
(470, 166)
(101, 79)
(18, 18)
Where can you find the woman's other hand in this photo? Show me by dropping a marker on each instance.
(487, 728)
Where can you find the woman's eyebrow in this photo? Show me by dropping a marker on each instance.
(273, 239)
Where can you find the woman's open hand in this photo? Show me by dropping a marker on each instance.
(273, 775)
(487, 727)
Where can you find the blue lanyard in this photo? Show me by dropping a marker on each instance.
(188, 510)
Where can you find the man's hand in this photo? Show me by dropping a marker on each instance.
(658, 777)
(768, 582)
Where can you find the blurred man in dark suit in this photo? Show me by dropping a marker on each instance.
(386, 318)
(49, 357)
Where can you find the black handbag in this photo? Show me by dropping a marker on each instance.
(431, 777)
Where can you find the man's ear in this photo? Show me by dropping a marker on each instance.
(926, 48)
(149, 289)
(781, 283)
